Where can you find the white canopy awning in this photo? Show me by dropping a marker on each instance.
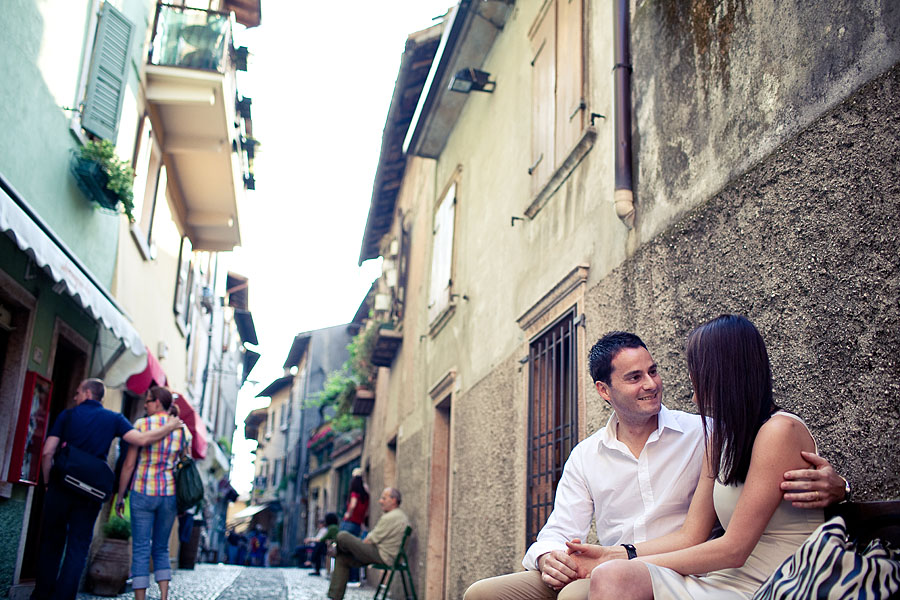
(249, 511)
(49, 253)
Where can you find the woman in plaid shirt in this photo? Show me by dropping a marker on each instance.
(153, 507)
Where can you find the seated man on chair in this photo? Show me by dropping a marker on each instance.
(380, 546)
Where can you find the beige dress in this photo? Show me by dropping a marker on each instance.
(787, 529)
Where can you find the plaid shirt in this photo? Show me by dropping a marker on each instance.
(154, 475)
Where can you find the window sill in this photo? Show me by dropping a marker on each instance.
(148, 251)
(442, 319)
(578, 152)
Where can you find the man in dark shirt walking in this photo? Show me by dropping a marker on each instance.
(68, 516)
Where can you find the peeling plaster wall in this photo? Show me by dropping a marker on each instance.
(806, 245)
(719, 84)
(767, 183)
(487, 527)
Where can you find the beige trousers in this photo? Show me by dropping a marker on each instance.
(525, 586)
(351, 552)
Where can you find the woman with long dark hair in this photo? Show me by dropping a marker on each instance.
(357, 506)
(357, 509)
(751, 443)
(153, 505)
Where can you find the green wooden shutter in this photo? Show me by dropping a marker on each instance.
(109, 72)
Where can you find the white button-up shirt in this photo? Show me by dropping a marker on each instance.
(631, 499)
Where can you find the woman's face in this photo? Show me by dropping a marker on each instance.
(151, 405)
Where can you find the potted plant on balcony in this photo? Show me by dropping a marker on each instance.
(112, 560)
(103, 177)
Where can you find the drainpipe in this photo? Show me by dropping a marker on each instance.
(209, 340)
(624, 192)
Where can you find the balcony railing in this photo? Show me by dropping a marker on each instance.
(191, 37)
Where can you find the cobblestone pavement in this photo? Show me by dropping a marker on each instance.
(229, 582)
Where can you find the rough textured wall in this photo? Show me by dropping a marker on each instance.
(487, 533)
(806, 245)
(412, 481)
(11, 511)
(719, 84)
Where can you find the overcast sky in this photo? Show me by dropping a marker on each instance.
(321, 76)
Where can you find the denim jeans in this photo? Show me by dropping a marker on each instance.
(152, 518)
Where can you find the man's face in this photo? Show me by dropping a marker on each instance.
(386, 501)
(635, 390)
(81, 395)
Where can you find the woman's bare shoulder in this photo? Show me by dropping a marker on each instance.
(782, 432)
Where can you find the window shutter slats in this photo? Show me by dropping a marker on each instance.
(109, 73)
(442, 254)
(569, 76)
(543, 79)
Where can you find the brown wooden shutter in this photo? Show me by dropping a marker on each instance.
(543, 81)
(569, 76)
(109, 74)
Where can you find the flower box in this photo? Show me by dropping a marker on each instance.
(92, 181)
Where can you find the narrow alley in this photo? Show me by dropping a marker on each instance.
(230, 582)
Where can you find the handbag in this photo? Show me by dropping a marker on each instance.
(827, 565)
(188, 485)
(82, 472)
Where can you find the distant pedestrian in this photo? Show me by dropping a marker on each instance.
(243, 550)
(258, 547)
(357, 511)
(380, 546)
(69, 516)
(320, 543)
(153, 505)
(232, 542)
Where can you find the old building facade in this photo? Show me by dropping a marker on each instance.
(763, 147)
(86, 292)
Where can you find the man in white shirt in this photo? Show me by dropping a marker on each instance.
(635, 478)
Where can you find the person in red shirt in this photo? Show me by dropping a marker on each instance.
(357, 509)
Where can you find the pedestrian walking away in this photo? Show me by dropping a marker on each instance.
(153, 502)
(68, 519)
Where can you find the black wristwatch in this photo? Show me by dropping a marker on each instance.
(846, 492)
(632, 553)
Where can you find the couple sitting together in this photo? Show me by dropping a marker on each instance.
(657, 481)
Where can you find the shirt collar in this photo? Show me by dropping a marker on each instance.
(665, 420)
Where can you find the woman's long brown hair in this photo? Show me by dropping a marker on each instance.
(732, 380)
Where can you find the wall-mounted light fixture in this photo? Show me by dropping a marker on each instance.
(472, 80)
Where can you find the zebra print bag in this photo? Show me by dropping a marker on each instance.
(828, 566)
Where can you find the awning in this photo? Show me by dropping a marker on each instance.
(244, 322)
(250, 511)
(139, 383)
(37, 240)
(195, 424)
(250, 359)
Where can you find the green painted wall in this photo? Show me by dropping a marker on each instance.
(50, 305)
(11, 511)
(40, 60)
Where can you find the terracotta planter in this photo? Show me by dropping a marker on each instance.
(110, 566)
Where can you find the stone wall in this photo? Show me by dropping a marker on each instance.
(806, 245)
(719, 84)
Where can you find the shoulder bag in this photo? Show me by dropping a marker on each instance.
(81, 471)
(188, 485)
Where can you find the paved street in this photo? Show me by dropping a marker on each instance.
(228, 582)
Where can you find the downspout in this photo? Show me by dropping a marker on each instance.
(624, 191)
(209, 340)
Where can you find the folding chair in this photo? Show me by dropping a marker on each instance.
(401, 565)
